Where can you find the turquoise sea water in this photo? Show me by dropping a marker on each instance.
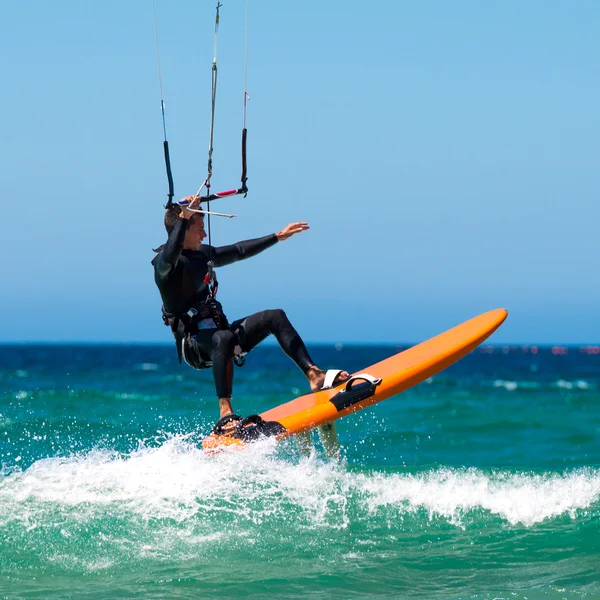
(481, 483)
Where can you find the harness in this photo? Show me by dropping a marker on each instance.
(185, 325)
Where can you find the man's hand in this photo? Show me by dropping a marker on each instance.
(290, 230)
(189, 202)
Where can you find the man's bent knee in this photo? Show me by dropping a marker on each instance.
(276, 315)
(223, 343)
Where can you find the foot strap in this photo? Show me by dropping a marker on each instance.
(361, 376)
(248, 429)
(255, 427)
(330, 377)
(351, 394)
(219, 428)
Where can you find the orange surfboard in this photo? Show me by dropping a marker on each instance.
(385, 379)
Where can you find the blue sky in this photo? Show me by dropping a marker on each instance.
(444, 153)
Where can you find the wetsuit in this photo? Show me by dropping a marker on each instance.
(202, 333)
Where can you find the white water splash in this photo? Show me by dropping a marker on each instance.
(178, 482)
(511, 386)
(147, 367)
(524, 498)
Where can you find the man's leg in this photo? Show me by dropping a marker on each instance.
(223, 345)
(216, 346)
(254, 329)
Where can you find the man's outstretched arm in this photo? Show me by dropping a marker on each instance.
(225, 255)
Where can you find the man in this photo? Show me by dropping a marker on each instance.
(203, 335)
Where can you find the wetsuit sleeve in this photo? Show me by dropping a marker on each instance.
(225, 255)
(169, 255)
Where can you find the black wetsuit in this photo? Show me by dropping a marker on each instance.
(179, 275)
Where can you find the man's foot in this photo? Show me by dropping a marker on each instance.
(225, 407)
(226, 424)
(316, 378)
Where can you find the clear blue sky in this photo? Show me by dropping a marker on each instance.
(445, 154)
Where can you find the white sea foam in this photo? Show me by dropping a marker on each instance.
(524, 499)
(147, 367)
(566, 385)
(178, 483)
(511, 386)
(580, 384)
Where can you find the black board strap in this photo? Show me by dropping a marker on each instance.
(354, 393)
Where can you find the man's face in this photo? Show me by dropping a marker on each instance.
(195, 233)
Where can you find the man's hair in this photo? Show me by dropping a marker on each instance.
(171, 216)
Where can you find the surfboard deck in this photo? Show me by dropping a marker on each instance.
(397, 374)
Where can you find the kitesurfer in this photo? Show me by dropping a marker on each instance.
(203, 334)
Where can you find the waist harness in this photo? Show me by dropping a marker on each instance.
(185, 325)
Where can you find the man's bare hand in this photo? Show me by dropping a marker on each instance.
(188, 202)
(290, 230)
